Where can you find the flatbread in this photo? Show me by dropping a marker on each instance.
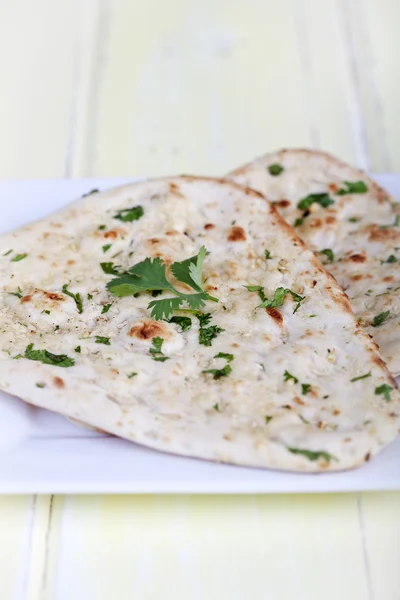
(298, 387)
(356, 228)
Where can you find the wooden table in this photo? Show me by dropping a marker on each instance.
(151, 87)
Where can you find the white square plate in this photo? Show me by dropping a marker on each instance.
(41, 452)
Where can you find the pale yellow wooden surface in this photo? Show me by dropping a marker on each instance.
(132, 87)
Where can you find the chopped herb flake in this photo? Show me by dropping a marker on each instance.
(354, 219)
(89, 296)
(131, 375)
(7, 253)
(17, 294)
(106, 247)
(361, 377)
(313, 455)
(218, 373)
(305, 388)
(267, 254)
(78, 349)
(216, 407)
(379, 319)
(385, 390)
(323, 200)
(298, 222)
(228, 357)
(275, 169)
(353, 187)
(57, 327)
(204, 318)
(185, 323)
(206, 335)
(109, 269)
(106, 308)
(90, 193)
(328, 253)
(279, 298)
(130, 214)
(155, 350)
(268, 419)
(46, 357)
(40, 385)
(46, 312)
(287, 376)
(102, 340)
(102, 227)
(390, 259)
(19, 257)
(76, 297)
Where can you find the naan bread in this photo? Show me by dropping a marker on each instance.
(356, 228)
(298, 387)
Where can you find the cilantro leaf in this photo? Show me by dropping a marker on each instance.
(379, 319)
(275, 169)
(216, 407)
(106, 247)
(268, 418)
(279, 298)
(390, 259)
(354, 219)
(106, 308)
(287, 376)
(185, 323)
(102, 340)
(385, 390)
(204, 318)
(323, 200)
(298, 222)
(109, 269)
(78, 349)
(267, 254)
(259, 289)
(361, 377)
(90, 193)
(46, 357)
(196, 269)
(352, 187)
(312, 455)
(218, 373)
(163, 309)
(76, 297)
(305, 388)
(155, 350)
(206, 335)
(130, 214)
(150, 274)
(228, 357)
(328, 253)
(131, 375)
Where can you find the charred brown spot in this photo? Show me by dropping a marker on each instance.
(377, 234)
(150, 329)
(237, 234)
(275, 314)
(357, 258)
(330, 219)
(336, 412)
(172, 232)
(59, 383)
(208, 226)
(388, 278)
(234, 345)
(46, 235)
(282, 203)
(111, 234)
(316, 223)
(26, 298)
(333, 187)
(54, 296)
(367, 456)
(321, 424)
(154, 241)
(174, 189)
(299, 401)
(70, 262)
(287, 407)
(356, 277)
(114, 371)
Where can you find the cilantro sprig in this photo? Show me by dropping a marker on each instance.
(352, 187)
(150, 275)
(48, 358)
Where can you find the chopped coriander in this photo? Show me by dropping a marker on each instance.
(216, 407)
(17, 294)
(305, 388)
(19, 257)
(352, 187)
(106, 247)
(275, 169)
(304, 420)
(287, 376)
(7, 253)
(131, 375)
(40, 385)
(390, 259)
(257, 288)
(379, 319)
(109, 269)
(150, 274)
(279, 298)
(311, 316)
(312, 455)
(206, 335)
(385, 390)
(95, 191)
(47, 312)
(76, 297)
(130, 214)
(56, 328)
(396, 223)
(102, 227)
(361, 377)
(298, 222)
(204, 318)
(328, 253)
(228, 357)
(155, 350)
(102, 340)
(185, 323)
(78, 349)
(89, 296)
(106, 308)
(354, 219)
(268, 419)
(322, 199)
(267, 254)
(59, 360)
(218, 373)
